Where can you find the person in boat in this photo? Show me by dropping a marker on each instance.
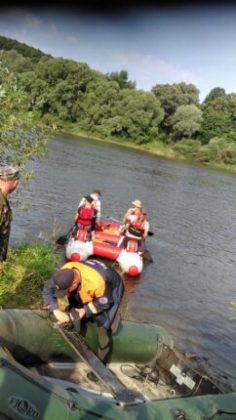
(136, 226)
(9, 178)
(135, 205)
(84, 217)
(96, 196)
(94, 290)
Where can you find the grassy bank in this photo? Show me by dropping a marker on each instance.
(26, 270)
(155, 148)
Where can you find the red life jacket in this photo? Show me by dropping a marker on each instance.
(139, 224)
(85, 216)
(136, 227)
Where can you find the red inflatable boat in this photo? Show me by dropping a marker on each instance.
(105, 244)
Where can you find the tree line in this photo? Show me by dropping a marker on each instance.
(64, 93)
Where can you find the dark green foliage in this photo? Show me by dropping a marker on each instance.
(122, 78)
(214, 94)
(16, 62)
(34, 54)
(188, 148)
(214, 124)
(219, 116)
(19, 142)
(126, 113)
(141, 115)
(220, 150)
(173, 96)
(53, 70)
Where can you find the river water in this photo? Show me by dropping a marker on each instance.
(192, 212)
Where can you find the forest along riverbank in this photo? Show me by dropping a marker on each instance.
(189, 285)
(160, 149)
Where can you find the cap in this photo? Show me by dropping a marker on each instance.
(63, 280)
(137, 203)
(9, 173)
(88, 198)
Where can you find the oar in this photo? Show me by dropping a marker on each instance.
(120, 223)
(64, 238)
(147, 256)
(77, 343)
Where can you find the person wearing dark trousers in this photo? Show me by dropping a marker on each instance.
(94, 291)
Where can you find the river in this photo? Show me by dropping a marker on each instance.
(192, 212)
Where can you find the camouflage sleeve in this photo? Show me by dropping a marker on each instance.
(5, 222)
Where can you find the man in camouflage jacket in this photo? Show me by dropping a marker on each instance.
(9, 178)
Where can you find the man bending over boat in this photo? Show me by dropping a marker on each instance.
(95, 290)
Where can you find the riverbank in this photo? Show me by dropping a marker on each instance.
(159, 149)
(26, 269)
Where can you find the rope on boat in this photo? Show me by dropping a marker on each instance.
(219, 412)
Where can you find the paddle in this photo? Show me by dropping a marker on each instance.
(64, 238)
(147, 256)
(118, 221)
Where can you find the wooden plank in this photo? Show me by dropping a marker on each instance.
(120, 392)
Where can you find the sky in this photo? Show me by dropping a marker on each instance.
(156, 45)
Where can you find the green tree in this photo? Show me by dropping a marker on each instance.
(214, 94)
(53, 70)
(122, 78)
(98, 104)
(173, 96)
(186, 121)
(34, 54)
(219, 117)
(57, 87)
(19, 141)
(36, 89)
(16, 62)
(140, 115)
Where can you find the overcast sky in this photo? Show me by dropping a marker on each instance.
(156, 45)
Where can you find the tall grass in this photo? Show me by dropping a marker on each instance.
(26, 270)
